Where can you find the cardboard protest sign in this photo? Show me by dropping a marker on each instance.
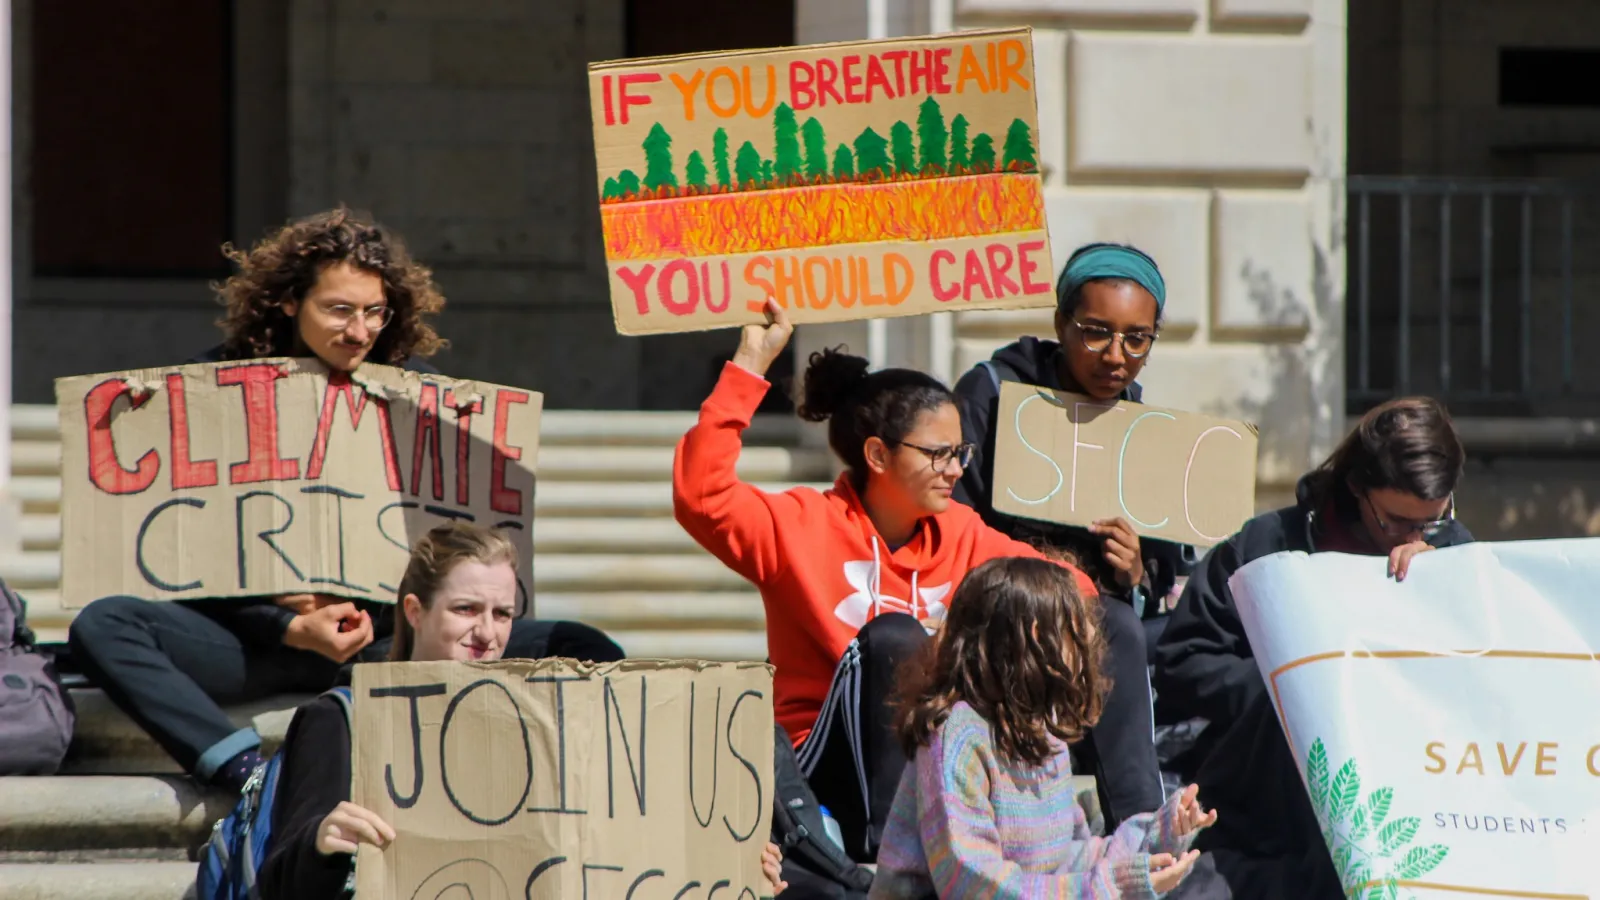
(1173, 475)
(264, 477)
(557, 779)
(848, 181)
(1443, 724)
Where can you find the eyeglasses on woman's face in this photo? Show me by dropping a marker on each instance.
(942, 457)
(1098, 339)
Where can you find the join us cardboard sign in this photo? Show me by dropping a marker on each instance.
(1067, 458)
(554, 779)
(271, 476)
(848, 181)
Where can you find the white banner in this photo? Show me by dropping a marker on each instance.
(1448, 726)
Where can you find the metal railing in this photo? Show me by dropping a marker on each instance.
(1447, 295)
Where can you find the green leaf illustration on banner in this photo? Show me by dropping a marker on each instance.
(1397, 834)
(1317, 774)
(1378, 806)
(1371, 853)
(1346, 788)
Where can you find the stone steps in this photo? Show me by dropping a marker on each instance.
(102, 881)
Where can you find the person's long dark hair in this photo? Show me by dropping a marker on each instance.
(858, 404)
(1408, 445)
(1020, 647)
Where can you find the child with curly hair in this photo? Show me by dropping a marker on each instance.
(986, 809)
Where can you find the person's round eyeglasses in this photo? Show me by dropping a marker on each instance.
(342, 314)
(941, 457)
(1395, 526)
(1097, 339)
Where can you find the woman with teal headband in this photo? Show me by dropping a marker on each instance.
(1108, 315)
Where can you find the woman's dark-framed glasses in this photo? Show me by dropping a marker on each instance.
(1398, 527)
(1097, 339)
(941, 457)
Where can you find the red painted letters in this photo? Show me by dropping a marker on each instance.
(186, 473)
(501, 498)
(104, 471)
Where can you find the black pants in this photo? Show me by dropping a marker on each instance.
(171, 666)
(852, 758)
(1120, 750)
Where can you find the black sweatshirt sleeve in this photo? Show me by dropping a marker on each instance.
(315, 779)
(976, 399)
(1204, 665)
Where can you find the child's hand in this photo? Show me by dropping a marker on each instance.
(1166, 873)
(772, 867)
(1191, 817)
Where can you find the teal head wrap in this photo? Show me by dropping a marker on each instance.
(1095, 261)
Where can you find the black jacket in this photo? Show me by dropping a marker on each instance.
(1205, 669)
(314, 779)
(262, 622)
(1034, 361)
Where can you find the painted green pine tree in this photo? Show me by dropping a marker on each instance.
(932, 139)
(1019, 154)
(816, 145)
(719, 156)
(612, 191)
(747, 166)
(694, 171)
(628, 182)
(786, 162)
(658, 159)
(844, 165)
(983, 153)
(769, 176)
(872, 156)
(960, 159)
(905, 153)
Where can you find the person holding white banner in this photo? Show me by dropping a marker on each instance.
(1387, 490)
(344, 289)
(853, 578)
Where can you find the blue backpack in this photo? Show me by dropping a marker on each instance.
(239, 843)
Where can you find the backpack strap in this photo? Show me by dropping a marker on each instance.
(342, 696)
(999, 371)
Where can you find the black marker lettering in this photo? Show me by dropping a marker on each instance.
(138, 545)
(717, 887)
(653, 873)
(587, 868)
(733, 713)
(413, 693)
(561, 741)
(637, 776)
(746, 890)
(265, 536)
(686, 889)
(716, 714)
(447, 513)
(403, 504)
(538, 870)
(444, 762)
(340, 495)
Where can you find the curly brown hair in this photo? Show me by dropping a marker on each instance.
(285, 266)
(1019, 646)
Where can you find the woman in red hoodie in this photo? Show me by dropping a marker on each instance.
(851, 577)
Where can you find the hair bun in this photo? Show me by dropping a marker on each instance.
(831, 376)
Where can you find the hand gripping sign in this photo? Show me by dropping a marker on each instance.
(276, 476)
(1444, 725)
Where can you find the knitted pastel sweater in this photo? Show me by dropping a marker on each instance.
(966, 823)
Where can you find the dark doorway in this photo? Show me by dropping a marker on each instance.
(131, 138)
(677, 371)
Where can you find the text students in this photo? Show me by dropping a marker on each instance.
(344, 290)
(850, 577)
(1387, 490)
(1109, 300)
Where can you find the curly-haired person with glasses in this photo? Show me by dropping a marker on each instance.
(342, 288)
(1109, 303)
